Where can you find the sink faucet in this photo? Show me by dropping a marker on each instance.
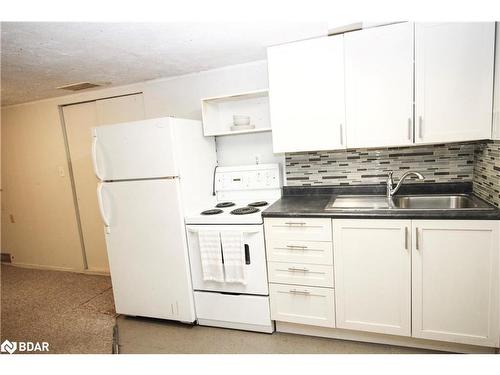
(390, 182)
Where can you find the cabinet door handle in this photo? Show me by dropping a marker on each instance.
(341, 135)
(302, 292)
(294, 223)
(406, 238)
(420, 131)
(296, 247)
(416, 239)
(409, 128)
(294, 269)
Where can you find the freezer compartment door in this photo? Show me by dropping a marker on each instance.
(147, 249)
(134, 150)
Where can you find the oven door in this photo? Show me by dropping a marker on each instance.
(255, 260)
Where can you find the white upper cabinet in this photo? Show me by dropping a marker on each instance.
(306, 93)
(453, 81)
(379, 86)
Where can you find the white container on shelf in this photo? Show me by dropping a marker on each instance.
(241, 120)
(246, 112)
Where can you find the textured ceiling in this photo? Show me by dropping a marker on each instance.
(37, 57)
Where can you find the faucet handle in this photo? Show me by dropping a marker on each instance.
(389, 174)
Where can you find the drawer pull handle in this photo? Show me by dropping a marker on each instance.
(294, 269)
(301, 292)
(295, 223)
(296, 247)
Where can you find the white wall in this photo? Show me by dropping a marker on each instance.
(42, 230)
(33, 152)
(181, 97)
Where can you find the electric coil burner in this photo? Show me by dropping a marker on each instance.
(258, 204)
(225, 204)
(213, 211)
(244, 211)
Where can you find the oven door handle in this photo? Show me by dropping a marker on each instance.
(244, 232)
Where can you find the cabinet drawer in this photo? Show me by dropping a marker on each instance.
(301, 274)
(302, 229)
(311, 252)
(303, 305)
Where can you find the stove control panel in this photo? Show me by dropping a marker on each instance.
(255, 177)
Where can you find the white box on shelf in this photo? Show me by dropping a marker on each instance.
(218, 112)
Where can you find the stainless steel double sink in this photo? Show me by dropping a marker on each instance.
(407, 202)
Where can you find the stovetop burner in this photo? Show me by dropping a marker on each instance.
(225, 204)
(258, 204)
(213, 211)
(244, 211)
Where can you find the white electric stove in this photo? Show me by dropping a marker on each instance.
(242, 193)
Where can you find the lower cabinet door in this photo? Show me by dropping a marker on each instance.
(455, 281)
(302, 304)
(372, 267)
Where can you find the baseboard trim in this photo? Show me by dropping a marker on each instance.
(57, 268)
(43, 267)
(343, 334)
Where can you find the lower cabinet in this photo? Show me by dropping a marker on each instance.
(301, 304)
(300, 269)
(426, 279)
(455, 281)
(373, 275)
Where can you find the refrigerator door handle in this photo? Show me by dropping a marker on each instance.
(101, 207)
(94, 155)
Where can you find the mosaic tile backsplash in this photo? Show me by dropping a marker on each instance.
(487, 172)
(438, 163)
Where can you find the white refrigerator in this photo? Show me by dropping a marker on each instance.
(152, 173)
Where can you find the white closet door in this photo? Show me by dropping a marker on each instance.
(379, 86)
(453, 81)
(147, 249)
(79, 120)
(306, 93)
(120, 109)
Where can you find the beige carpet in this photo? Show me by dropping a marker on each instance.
(73, 312)
(140, 335)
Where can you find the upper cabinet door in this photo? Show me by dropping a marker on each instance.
(453, 81)
(306, 93)
(379, 86)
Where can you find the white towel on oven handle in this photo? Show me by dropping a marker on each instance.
(233, 251)
(211, 256)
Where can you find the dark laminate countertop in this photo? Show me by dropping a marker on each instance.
(311, 202)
